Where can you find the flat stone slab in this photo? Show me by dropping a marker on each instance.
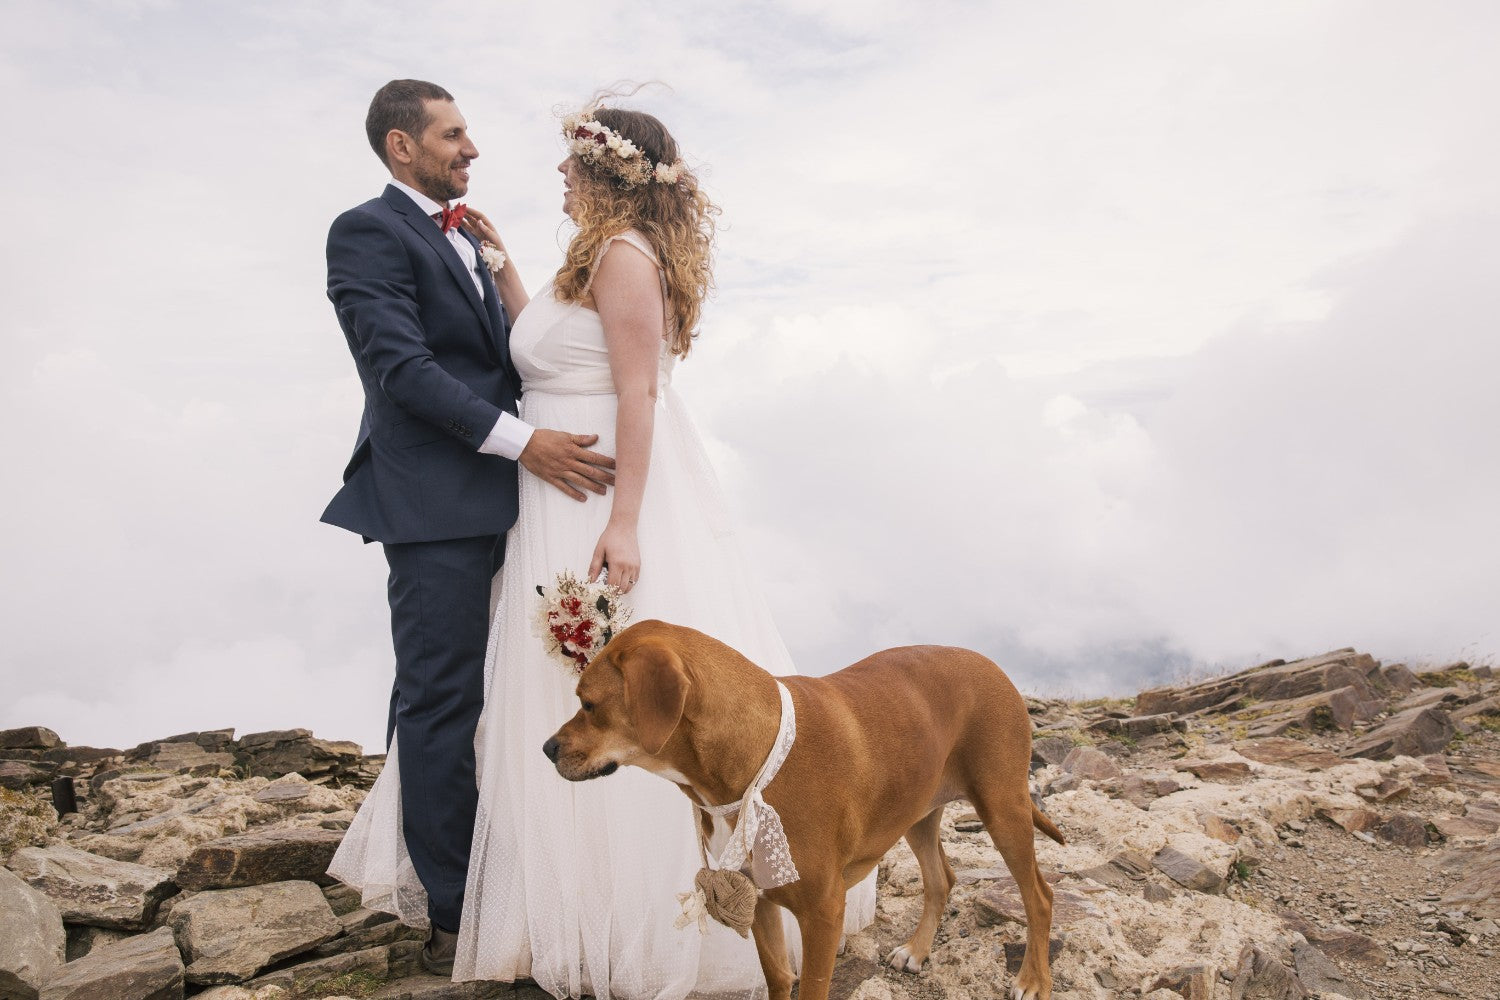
(1187, 871)
(1002, 902)
(143, 967)
(1214, 770)
(260, 858)
(424, 987)
(32, 941)
(1480, 889)
(1449, 696)
(228, 935)
(306, 978)
(1462, 826)
(1320, 976)
(94, 890)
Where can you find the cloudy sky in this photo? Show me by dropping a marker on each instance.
(1118, 341)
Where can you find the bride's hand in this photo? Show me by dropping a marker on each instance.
(619, 550)
(480, 225)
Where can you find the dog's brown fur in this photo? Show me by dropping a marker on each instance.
(881, 747)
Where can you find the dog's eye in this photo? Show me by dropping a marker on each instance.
(588, 706)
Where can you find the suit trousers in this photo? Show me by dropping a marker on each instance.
(440, 601)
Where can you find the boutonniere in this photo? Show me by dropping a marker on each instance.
(494, 258)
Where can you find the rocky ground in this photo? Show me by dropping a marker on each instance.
(1328, 828)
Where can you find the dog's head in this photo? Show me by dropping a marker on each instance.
(631, 698)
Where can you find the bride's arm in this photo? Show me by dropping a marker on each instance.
(507, 279)
(628, 294)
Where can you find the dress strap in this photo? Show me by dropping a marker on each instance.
(638, 240)
(635, 239)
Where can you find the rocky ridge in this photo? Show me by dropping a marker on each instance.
(1328, 827)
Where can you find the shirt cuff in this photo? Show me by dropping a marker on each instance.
(508, 438)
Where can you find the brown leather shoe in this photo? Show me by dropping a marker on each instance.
(438, 955)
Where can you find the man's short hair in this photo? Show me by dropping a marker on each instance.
(400, 105)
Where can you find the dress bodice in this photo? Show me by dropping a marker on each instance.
(559, 347)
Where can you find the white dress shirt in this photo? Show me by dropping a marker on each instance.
(510, 435)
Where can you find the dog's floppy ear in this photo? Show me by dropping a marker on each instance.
(656, 689)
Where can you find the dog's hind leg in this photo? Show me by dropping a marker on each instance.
(770, 945)
(1007, 816)
(937, 882)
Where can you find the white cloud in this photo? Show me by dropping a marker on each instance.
(1108, 339)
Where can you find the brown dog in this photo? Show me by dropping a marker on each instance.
(881, 747)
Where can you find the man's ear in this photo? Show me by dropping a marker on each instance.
(399, 147)
(656, 687)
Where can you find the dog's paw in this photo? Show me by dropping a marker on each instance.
(902, 960)
(1022, 993)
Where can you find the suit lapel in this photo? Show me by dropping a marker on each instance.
(433, 234)
(499, 322)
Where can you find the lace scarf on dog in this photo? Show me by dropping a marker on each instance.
(723, 891)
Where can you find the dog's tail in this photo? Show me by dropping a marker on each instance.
(1044, 824)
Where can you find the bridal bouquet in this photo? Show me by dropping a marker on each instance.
(575, 618)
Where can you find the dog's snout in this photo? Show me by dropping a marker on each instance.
(608, 769)
(550, 748)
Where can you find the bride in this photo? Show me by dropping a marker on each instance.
(574, 885)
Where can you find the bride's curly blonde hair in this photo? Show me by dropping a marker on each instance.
(677, 218)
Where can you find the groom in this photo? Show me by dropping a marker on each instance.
(433, 476)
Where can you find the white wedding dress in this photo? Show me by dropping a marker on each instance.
(574, 885)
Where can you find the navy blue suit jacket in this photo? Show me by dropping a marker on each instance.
(434, 359)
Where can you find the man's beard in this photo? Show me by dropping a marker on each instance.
(438, 184)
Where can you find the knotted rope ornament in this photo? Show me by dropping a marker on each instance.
(728, 897)
(725, 892)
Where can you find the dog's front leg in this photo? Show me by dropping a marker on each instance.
(770, 944)
(822, 928)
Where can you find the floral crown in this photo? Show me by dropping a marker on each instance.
(597, 144)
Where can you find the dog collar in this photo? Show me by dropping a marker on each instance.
(759, 832)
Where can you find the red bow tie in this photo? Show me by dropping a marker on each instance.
(449, 218)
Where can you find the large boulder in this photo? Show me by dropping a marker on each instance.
(1413, 733)
(1260, 975)
(273, 754)
(228, 935)
(29, 738)
(1274, 681)
(1340, 708)
(1086, 762)
(259, 858)
(32, 940)
(26, 820)
(143, 967)
(93, 890)
(18, 775)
